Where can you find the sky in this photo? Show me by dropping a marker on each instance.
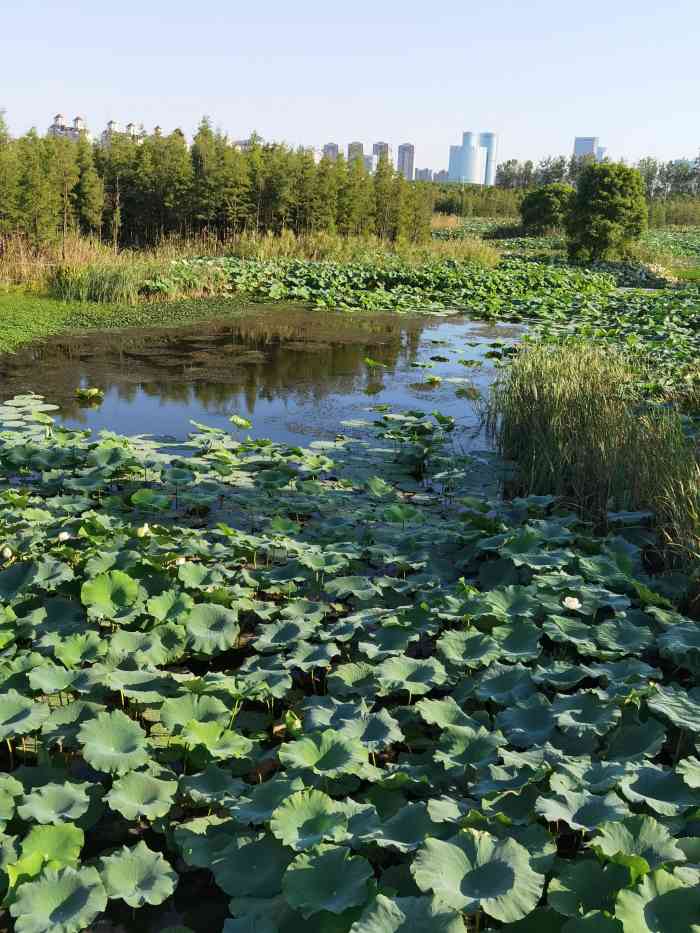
(537, 72)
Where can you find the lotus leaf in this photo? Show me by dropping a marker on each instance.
(585, 885)
(112, 595)
(408, 915)
(19, 715)
(214, 787)
(473, 870)
(327, 878)
(252, 867)
(581, 810)
(177, 712)
(640, 836)
(680, 707)
(57, 846)
(660, 903)
(212, 629)
(416, 676)
(328, 753)
(139, 794)
(307, 818)
(663, 791)
(114, 743)
(55, 803)
(138, 876)
(61, 901)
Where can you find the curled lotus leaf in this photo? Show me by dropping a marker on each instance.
(633, 740)
(138, 876)
(660, 903)
(261, 800)
(20, 715)
(469, 648)
(356, 678)
(689, 769)
(474, 870)
(202, 840)
(663, 791)
(62, 901)
(328, 753)
(407, 829)
(464, 747)
(680, 707)
(361, 588)
(505, 684)
(623, 637)
(57, 846)
(220, 742)
(584, 885)
(140, 794)
(55, 803)
(519, 642)
(212, 629)
(640, 836)
(408, 915)
(111, 595)
(170, 606)
(445, 713)
(596, 921)
(529, 723)
(328, 878)
(175, 713)
(114, 743)
(251, 867)
(581, 810)
(417, 675)
(585, 712)
(308, 818)
(213, 787)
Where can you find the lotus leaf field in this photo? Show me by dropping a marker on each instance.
(333, 689)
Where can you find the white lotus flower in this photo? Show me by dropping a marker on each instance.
(180, 561)
(571, 602)
(6, 553)
(143, 530)
(63, 536)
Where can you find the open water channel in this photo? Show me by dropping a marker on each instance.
(297, 374)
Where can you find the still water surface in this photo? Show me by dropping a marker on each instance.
(296, 374)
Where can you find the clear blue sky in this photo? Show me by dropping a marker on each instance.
(538, 72)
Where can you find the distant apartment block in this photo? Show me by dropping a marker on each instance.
(331, 151)
(601, 153)
(137, 133)
(586, 147)
(59, 129)
(382, 150)
(355, 151)
(441, 176)
(424, 174)
(407, 155)
(474, 162)
(371, 162)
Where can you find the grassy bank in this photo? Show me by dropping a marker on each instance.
(576, 422)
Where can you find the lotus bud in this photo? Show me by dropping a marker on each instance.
(63, 536)
(570, 602)
(6, 553)
(143, 530)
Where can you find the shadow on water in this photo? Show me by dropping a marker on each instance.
(296, 373)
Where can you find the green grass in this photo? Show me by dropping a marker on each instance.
(573, 419)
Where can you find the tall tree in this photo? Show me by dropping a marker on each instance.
(89, 193)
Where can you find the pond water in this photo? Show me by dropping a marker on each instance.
(297, 374)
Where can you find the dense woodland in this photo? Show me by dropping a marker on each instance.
(135, 193)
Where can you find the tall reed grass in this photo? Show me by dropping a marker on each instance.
(572, 418)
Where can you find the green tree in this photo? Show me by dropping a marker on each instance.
(89, 193)
(38, 194)
(608, 212)
(545, 209)
(9, 176)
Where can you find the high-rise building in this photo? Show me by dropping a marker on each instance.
(424, 174)
(585, 146)
(601, 153)
(441, 176)
(474, 162)
(382, 150)
(371, 162)
(330, 151)
(355, 151)
(407, 155)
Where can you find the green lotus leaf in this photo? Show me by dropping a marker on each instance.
(584, 712)
(570, 631)
(286, 634)
(581, 810)
(306, 656)
(408, 915)
(327, 753)
(353, 679)
(212, 629)
(680, 707)
(519, 642)
(507, 780)
(177, 712)
(639, 836)
(374, 730)
(663, 791)
(111, 595)
(55, 803)
(504, 605)
(594, 922)
(633, 740)
(19, 715)
(138, 876)
(444, 713)
(463, 747)
(56, 845)
(143, 649)
(114, 743)
(470, 648)
(252, 867)
(140, 794)
(529, 723)
(620, 635)
(689, 769)
(170, 606)
(197, 576)
(50, 678)
(307, 818)
(584, 774)
(213, 787)
(263, 799)
(418, 676)
(541, 920)
(328, 878)
(201, 841)
(473, 870)
(16, 579)
(584, 885)
(80, 649)
(560, 674)
(220, 742)
(63, 724)
(407, 829)
(660, 903)
(361, 588)
(505, 684)
(61, 901)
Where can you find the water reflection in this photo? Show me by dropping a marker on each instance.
(296, 372)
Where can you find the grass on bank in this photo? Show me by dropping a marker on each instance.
(88, 270)
(571, 417)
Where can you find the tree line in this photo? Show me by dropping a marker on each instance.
(137, 191)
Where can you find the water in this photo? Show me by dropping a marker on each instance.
(296, 374)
